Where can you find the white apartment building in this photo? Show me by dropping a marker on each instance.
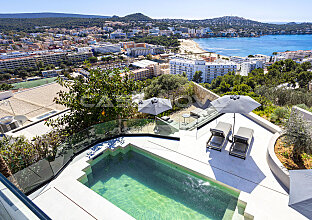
(78, 57)
(31, 61)
(205, 31)
(83, 49)
(117, 34)
(139, 74)
(238, 60)
(154, 67)
(264, 58)
(165, 32)
(249, 66)
(14, 54)
(210, 70)
(14, 63)
(279, 57)
(108, 29)
(107, 48)
(51, 58)
(54, 58)
(257, 57)
(309, 59)
(143, 51)
(299, 54)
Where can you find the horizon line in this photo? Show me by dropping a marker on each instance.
(178, 18)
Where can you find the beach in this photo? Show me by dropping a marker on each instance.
(189, 46)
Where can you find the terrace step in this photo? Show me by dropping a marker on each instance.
(239, 212)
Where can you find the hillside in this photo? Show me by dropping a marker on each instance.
(233, 20)
(135, 17)
(49, 15)
(19, 22)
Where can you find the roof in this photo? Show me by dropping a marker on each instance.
(32, 102)
(193, 62)
(143, 63)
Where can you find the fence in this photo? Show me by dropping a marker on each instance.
(38, 174)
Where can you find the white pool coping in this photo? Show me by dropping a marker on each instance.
(265, 197)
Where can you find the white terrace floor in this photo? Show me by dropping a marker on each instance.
(66, 198)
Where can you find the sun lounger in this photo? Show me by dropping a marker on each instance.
(219, 135)
(241, 142)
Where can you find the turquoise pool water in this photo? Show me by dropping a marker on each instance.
(149, 188)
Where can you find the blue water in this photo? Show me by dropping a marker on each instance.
(245, 46)
(148, 189)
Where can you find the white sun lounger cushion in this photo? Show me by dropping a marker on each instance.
(222, 129)
(244, 134)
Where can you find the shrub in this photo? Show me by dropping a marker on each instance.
(19, 153)
(280, 114)
(298, 134)
(282, 96)
(166, 86)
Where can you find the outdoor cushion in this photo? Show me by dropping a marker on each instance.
(244, 134)
(216, 141)
(241, 142)
(219, 135)
(196, 112)
(221, 128)
(239, 148)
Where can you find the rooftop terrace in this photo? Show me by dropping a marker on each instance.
(62, 196)
(266, 198)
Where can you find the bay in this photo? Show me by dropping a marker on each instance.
(244, 46)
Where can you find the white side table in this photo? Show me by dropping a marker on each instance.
(185, 116)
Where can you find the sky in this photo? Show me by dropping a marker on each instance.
(260, 10)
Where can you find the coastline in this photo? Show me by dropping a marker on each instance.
(190, 46)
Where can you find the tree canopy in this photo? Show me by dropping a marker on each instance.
(165, 86)
(198, 77)
(276, 88)
(171, 41)
(102, 96)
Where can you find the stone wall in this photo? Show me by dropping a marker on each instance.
(202, 94)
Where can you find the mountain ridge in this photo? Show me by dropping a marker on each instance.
(49, 15)
(223, 20)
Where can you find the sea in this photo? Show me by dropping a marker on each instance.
(244, 46)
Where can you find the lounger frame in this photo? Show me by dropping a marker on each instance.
(242, 140)
(218, 134)
(242, 155)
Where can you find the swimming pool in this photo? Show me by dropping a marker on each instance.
(148, 187)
